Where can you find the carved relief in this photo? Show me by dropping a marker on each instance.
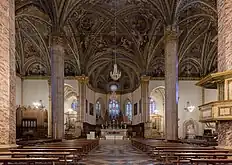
(36, 69)
(69, 70)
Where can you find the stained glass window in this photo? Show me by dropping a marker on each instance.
(128, 112)
(98, 109)
(153, 109)
(114, 109)
(74, 105)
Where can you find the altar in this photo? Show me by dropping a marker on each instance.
(118, 134)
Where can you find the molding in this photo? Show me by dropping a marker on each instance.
(179, 78)
(213, 79)
(215, 103)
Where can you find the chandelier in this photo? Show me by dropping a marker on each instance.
(115, 74)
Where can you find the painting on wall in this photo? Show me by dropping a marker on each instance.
(135, 109)
(91, 109)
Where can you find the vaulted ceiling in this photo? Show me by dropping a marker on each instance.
(89, 29)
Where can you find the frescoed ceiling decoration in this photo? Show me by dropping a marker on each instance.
(89, 29)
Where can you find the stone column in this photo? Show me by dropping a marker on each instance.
(171, 83)
(224, 128)
(224, 35)
(57, 86)
(49, 110)
(145, 98)
(82, 83)
(7, 73)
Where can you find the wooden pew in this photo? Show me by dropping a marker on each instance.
(77, 151)
(6, 160)
(60, 155)
(202, 155)
(82, 146)
(168, 154)
(74, 155)
(211, 161)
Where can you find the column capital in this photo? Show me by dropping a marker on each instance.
(145, 78)
(49, 82)
(57, 39)
(171, 32)
(82, 79)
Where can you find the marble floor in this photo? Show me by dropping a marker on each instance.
(119, 152)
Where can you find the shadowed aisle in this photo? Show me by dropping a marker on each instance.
(116, 152)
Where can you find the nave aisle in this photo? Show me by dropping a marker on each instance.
(119, 152)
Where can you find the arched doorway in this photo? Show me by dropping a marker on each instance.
(156, 111)
(71, 113)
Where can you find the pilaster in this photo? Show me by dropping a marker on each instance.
(49, 109)
(145, 98)
(22, 92)
(171, 83)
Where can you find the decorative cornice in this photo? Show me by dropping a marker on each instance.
(213, 79)
(145, 78)
(170, 33)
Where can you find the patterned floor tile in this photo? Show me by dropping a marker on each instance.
(118, 152)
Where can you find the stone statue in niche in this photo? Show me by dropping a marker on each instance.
(191, 133)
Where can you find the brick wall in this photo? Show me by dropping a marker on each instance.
(224, 35)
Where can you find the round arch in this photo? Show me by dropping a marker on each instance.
(157, 96)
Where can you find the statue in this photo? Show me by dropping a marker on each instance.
(191, 131)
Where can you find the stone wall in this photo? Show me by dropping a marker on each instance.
(224, 35)
(225, 134)
(7, 73)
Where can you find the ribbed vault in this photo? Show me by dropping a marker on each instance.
(88, 27)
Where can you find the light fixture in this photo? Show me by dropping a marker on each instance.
(38, 104)
(115, 74)
(189, 107)
(113, 87)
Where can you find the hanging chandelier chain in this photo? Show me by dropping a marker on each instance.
(115, 74)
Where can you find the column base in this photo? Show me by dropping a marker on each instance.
(5, 148)
(225, 134)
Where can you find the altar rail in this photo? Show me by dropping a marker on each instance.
(215, 111)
